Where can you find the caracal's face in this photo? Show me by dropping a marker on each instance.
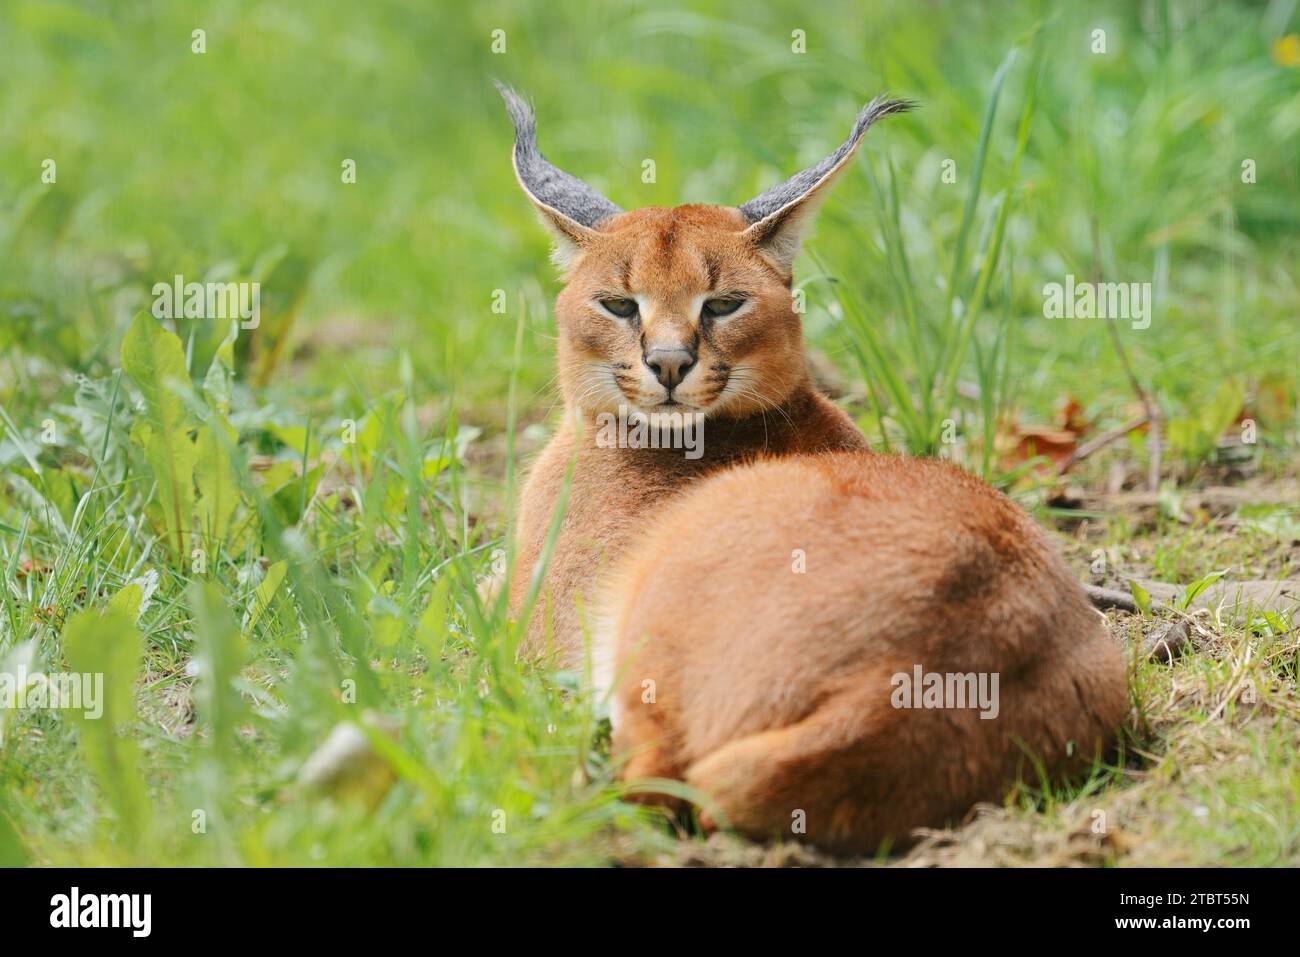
(675, 310)
(684, 310)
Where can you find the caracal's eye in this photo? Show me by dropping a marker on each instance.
(623, 308)
(713, 308)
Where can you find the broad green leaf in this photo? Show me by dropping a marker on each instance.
(154, 360)
(385, 630)
(265, 593)
(214, 474)
(293, 436)
(290, 498)
(277, 475)
(372, 429)
(433, 466)
(1198, 586)
(1141, 597)
(218, 383)
(128, 601)
(107, 647)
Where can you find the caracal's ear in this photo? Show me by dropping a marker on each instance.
(569, 208)
(780, 216)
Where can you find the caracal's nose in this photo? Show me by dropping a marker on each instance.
(669, 363)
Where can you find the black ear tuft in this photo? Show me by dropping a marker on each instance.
(803, 182)
(552, 189)
(779, 218)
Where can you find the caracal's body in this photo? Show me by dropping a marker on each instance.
(751, 609)
(617, 493)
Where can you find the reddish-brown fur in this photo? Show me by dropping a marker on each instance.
(766, 687)
(669, 258)
(772, 687)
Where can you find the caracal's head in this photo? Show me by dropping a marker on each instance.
(686, 309)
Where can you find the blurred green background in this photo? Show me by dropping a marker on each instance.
(356, 563)
(175, 162)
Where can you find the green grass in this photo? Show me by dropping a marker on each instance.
(337, 577)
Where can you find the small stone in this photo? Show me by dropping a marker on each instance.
(1165, 642)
